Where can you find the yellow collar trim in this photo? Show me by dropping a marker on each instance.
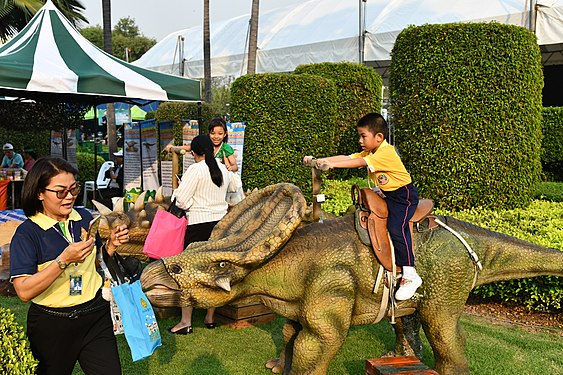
(46, 222)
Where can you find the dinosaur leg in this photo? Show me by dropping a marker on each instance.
(327, 314)
(442, 328)
(290, 330)
(407, 336)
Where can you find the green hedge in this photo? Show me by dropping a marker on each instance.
(358, 92)
(39, 140)
(287, 117)
(539, 223)
(466, 105)
(552, 143)
(16, 357)
(179, 112)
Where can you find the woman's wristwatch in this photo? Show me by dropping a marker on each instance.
(62, 265)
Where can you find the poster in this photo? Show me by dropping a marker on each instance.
(132, 166)
(166, 133)
(149, 155)
(189, 132)
(236, 141)
(57, 146)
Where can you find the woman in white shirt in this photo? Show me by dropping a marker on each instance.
(202, 193)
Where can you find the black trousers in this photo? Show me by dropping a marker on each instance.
(401, 204)
(58, 342)
(198, 232)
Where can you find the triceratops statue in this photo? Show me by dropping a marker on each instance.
(321, 277)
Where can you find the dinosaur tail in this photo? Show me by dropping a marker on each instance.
(505, 258)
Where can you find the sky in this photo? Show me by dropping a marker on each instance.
(172, 15)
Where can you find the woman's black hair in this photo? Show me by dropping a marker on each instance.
(202, 145)
(38, 178)
(219, 121)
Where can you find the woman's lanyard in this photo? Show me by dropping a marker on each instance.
(75, 278)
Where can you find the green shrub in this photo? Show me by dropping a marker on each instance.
(540, 223)
(287, 117)
(466, 106)
(85, 163)
(337, 193)
(16, 357)
(358, 92)
(179, 112)
(552, 143)
(550, 191)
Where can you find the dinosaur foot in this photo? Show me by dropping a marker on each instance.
(276, 365)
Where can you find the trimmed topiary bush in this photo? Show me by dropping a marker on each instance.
(358, 92)
(552, 143)
(287, 117)
(466, 105)
(179, 112)
(16, 358)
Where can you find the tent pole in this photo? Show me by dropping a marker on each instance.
(64, 143)
(362, 30)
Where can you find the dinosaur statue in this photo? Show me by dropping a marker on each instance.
(321, 277)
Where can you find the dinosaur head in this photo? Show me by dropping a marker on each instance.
(209, 273)
(138, 219)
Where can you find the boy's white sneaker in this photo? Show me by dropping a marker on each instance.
(408, 286)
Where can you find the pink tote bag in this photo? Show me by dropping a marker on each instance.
(166, 236)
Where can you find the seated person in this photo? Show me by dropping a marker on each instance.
(11, 159)
(29, 157)
(115, 187)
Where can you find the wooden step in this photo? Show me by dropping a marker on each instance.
(242, 315)
(397, 365)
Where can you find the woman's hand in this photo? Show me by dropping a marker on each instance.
(117, 237)
(77, 252)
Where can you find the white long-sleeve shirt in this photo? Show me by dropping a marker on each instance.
(200, 197)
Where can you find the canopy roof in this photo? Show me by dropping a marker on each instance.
(327, 30)
(50, 60)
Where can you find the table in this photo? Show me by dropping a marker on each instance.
(13, 184)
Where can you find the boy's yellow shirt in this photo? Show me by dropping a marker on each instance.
(385, 167)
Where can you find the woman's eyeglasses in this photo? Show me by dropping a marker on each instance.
(61, 194)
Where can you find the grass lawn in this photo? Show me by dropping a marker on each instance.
(491, 349)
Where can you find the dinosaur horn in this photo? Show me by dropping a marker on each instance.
(159, 196)
(103, 210)
(118, 205)
(140, 202)
(223, 282)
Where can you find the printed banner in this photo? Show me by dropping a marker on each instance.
(132, 166)
(149, 153)
(236, 140)
(57, 146)
(189, 132)
(166, 133)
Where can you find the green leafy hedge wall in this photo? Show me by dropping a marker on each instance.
(466, 104)
(552, 143)
(358, 92)
(287, 116)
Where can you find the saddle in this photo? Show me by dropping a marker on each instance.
(371, 222)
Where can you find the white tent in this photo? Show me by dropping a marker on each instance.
(328, 30)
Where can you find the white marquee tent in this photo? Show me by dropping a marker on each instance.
(327, 30)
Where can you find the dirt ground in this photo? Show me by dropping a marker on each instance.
(495, 312)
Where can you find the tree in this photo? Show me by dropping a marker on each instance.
(126, 34)
(110, 111)
(253, 37)
(206, 52)
(15, 14)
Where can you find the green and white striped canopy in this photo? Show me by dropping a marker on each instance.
(50, 59)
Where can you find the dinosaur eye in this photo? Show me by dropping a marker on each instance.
(222, 264)
(175, 269)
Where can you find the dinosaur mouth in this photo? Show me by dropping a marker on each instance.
(159, 287)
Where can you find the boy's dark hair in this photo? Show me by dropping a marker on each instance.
(37, 180)
(218, 121)
(375, 124)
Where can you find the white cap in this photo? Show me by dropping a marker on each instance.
(8, 146)
(118, 153)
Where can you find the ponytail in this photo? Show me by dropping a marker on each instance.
(202, 145)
